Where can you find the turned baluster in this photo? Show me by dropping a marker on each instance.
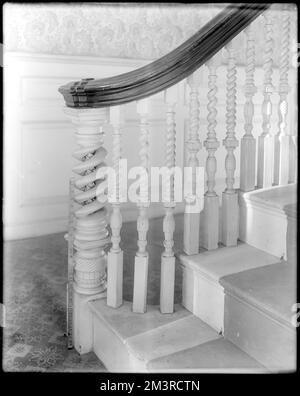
(265, 159)
(167, 281)
(141, 258)
(282, 142)
(115, 255)
(248, 143)
(194, 202)
(230, 208)
(90, 234)
(211, 200)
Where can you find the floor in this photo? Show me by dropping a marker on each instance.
(35, 274)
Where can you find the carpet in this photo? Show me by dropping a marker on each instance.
(35, 276)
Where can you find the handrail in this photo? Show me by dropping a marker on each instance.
(169, 69)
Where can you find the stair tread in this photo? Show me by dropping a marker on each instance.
(272, 288)
(173, 337)
(219, 354)
(126, 323)
(276, 197)
(228, 260)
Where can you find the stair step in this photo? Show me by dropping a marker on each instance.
(263, 218)
(202, 293)
(129, 342)
(218, 355)
(258, 313)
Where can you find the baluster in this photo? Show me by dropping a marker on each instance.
(167, 281)
(191, 216)
(141, 258)
(91, 235)
(115, 255)
(230, 208)
(211, 199)
(248, 143)
(282, 139)
(295, 164)
(265, 159)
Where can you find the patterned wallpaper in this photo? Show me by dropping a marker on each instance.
(141, 31)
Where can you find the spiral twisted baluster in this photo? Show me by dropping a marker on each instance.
(268, 71)
(210, 231)
(211, 143)
(248, 143)
(170, 148)
(167, 281)
(230, 142)
(115, 255)
(230, 208)
(250, 88)
(282, 154)
(141, 257)
(266, 141)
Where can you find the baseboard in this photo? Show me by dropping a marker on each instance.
(60, 224)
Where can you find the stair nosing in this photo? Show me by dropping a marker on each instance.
(252, 303)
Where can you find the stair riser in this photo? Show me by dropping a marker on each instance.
(112, 351)
(263, 229)
(266, 340)
(204, 298)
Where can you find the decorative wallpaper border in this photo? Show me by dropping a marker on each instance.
(139, 31)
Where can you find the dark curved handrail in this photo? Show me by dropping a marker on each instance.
(169, 69)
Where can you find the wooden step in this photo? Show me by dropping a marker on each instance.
(258, 314)
(202, 293)
(130, 342)
(263, 218)
(126, 341)
(215, 356)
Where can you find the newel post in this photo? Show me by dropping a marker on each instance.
(90, 233)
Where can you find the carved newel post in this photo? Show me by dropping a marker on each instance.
(90, 234)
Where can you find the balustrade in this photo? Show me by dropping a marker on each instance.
(91, 236)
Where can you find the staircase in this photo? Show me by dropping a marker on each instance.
(238, 251)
